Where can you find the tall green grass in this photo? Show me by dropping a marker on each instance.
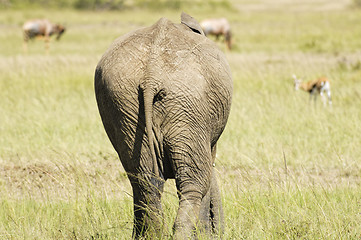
(287, 168)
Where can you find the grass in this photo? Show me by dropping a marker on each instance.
(288, 169)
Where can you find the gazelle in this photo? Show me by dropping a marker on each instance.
(318, 86)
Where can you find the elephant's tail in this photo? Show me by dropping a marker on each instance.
(148, 94)
(152, 84)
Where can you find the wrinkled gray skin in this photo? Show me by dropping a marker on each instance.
(164, 95)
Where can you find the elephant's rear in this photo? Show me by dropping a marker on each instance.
(119, 78)
(186, 66)
(190, 88)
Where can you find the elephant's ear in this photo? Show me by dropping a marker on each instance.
(191, 23)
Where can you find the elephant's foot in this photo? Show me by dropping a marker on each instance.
(148, 224)
(187, 218)
(211, 213)
(149, 221)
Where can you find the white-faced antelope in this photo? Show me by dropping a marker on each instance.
(41, 28)
(317, 86)
(218, 27)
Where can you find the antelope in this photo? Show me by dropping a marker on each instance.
(41, 28)
(218, 27)
(318, 86)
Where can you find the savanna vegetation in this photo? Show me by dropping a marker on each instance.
(287, 168)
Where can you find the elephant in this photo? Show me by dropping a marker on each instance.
(164, 96)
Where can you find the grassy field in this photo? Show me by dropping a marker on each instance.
(288, 169)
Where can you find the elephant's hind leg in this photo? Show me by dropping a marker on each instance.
(148, 219)
(193, 171)
(211, 213)
(187, 216)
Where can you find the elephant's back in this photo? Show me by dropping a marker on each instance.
(188, 66)
(177, 50)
